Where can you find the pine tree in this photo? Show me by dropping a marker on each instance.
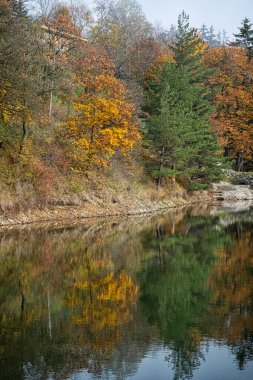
(203, 32)
(245, 37)
(225, 39)
(19, 9)
(212, 38)
(180, 134)
(172, 32)
(179, 104)
(189, 50)
(219, 38)
(209, 36)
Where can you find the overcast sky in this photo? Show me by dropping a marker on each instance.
(222, 14)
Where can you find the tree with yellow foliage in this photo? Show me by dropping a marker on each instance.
(104, 121)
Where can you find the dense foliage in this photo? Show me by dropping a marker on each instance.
(179, 127)
(80, 88)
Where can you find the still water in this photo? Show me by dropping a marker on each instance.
(161, 297)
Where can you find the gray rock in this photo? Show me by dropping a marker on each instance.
(226, 192)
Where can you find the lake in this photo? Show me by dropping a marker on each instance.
(153, 297)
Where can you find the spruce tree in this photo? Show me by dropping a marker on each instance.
(245, 37)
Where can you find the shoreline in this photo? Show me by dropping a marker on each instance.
(69, 213)
(122, 205)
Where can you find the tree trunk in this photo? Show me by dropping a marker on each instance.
(49, 315)
(23, 138)
(158, 182)
(22, 302)
(174, 178)
(158, 235)
(240, 163)
(52, 86)
(92, 134)
(51, 105)
(159, 179)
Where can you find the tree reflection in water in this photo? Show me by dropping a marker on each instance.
(197, 287)
(100, 297)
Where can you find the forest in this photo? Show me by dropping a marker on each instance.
(85, 90)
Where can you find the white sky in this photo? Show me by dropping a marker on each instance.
(222, 14)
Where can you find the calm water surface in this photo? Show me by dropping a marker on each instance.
(164, 297)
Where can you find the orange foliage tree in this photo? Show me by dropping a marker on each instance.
(232, 289)
(234, 101)
(104, 121)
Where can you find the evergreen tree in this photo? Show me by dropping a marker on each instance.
(180, 107)
(203, 32)
(180, 134)
(186, 41)
(209, 36)
(189, 50)
(18, 8)
(245, 37)
(225, 39)
(172, 33)
(219, 38)
(212, 39)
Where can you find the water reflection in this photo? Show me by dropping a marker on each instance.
(111, 300)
